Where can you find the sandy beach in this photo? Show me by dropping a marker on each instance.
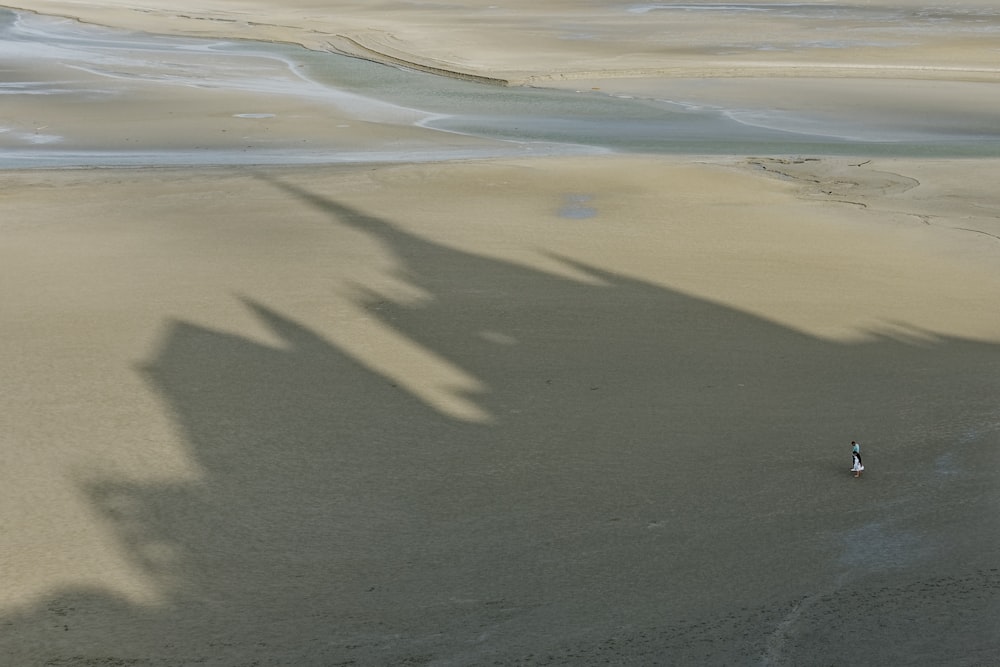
(298, 373)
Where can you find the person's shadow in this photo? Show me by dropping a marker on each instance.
(655, 479)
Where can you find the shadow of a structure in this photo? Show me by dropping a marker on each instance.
(610, 509)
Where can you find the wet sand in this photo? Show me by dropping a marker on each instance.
(895, 81)
(517, 410)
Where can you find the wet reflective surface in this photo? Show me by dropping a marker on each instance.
(89, 72)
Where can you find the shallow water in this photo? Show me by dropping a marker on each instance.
(68, 61)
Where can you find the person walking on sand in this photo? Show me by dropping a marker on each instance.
(858, 467)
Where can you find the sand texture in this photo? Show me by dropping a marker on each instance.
(522, 41)
(527, 409)
(342, 415)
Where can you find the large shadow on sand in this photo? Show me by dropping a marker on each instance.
(658, 480)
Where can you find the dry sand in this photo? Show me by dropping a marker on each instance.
(522, 411)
